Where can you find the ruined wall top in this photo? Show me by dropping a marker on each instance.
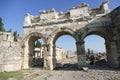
(74, 12)
(115, 15)
(6, 36)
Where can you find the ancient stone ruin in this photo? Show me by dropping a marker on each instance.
(78, 22)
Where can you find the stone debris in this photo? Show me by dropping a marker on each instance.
(12, 79)
(85, 69)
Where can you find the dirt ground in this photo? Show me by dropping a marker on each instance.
(69, 71)
(91, 74)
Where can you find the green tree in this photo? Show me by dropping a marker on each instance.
(1, 25)
(38, 44)
(15, 36)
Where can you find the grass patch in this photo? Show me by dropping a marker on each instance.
(14, 74)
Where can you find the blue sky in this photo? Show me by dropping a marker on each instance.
(93, 42)
(12, 11)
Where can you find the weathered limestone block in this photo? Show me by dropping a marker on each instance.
(27, 20)
(113, 56)
(113, 60)
(59, 55)
(48, 15)
(48, 64)
(10, 55)
(104, 7)
(12, 66)
(70, 54)
(48, 59)
(79, 11)
(81, 61)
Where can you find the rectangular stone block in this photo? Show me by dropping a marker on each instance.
(81, 61)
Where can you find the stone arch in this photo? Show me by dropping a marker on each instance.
(102, 33)
(28, 47)
(84, 32)
(62, 31)
(37, 34)
(99, 31)
(55, 35)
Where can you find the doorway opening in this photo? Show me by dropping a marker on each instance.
(65, 52)
(35, 52)
(38, 57)
(95, 50)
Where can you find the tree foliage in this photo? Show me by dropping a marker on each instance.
(1, 25)
(38, 44)
(15, 35)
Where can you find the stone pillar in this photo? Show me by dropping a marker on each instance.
(25, 57)
(108, 50)
(118, 44)
(81, 54)
(51, 57)
(54, 56)
(113, 56)
(28, 55)
(48, 64)
(38, 54)
(41, 53)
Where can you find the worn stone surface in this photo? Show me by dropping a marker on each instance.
(78, 22)
(10, 53)
(60, 54)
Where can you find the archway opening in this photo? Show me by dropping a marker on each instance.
(95, 50)
(38, 57)
(33, 51)
(65, 52)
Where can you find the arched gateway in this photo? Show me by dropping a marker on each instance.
(78, 22)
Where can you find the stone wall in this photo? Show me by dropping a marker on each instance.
(77, 22)
(10, 53)
(79, 11)
(60, 54)
(115, 15)
(47, 17)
